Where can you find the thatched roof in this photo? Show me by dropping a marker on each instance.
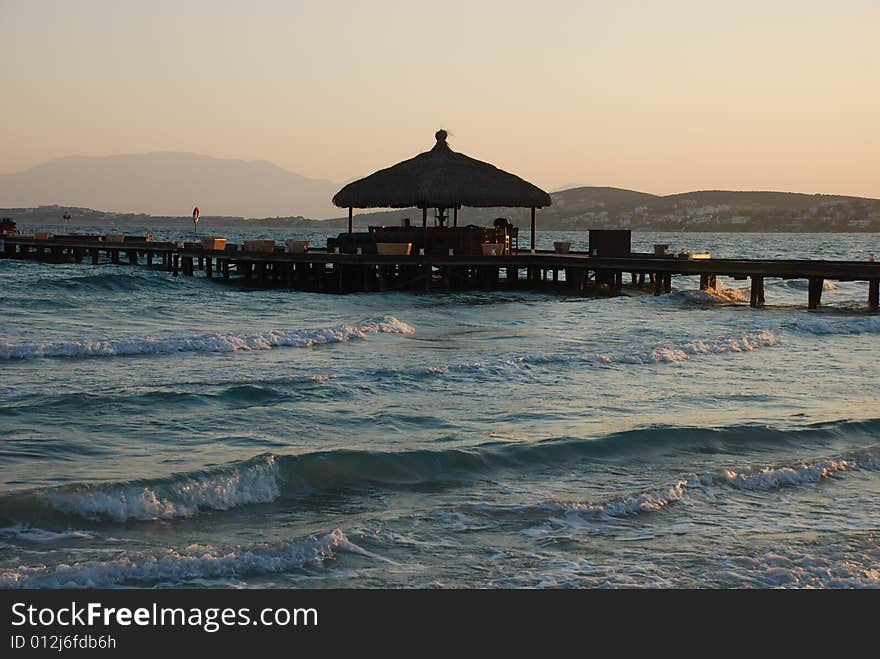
(441, 178)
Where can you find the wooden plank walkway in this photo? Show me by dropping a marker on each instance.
(325, 271)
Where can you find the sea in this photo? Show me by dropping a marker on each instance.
(164, 432)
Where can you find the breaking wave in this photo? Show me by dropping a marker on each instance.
(212, 342)
(267, 478)
(750, 479)
(193, 563)
(663, 352)
(717, 295)
(825, 326)
(254, 481)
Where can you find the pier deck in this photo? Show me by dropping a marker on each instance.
(333, 272)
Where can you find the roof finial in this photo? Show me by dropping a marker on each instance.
(441, 135)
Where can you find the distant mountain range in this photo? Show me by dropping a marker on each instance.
(168, 183)
(162, 188)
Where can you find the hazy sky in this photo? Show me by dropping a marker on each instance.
(661, 96)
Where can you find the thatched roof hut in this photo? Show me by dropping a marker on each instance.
(442, 179)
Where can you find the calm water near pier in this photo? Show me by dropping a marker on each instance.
(159, 431)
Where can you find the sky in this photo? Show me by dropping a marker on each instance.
(660, 96)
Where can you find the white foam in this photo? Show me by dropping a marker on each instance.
(753, 479)
(825, 326)
(718, 295)
(763, 479)
(256, 482)
(663, 352)
(175, 566)
(212, 342)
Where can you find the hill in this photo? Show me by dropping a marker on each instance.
(168, 183)
(577, 209)
(706, 210)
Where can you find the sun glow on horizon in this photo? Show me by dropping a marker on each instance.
(657, 97)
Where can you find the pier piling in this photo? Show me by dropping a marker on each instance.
(757, 291)
(816, 284)
(328, 270)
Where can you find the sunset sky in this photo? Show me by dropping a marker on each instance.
(661, 96)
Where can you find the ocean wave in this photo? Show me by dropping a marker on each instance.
(806, 567)
(32, 534)
(663, 352)
(193, 563)
(826, 326)
(231, 397)
(112, 280)
(267, 478)
(212, 342)
(803, 284)
(718, 295)
(801, 565)
(752, 479)
(184, 495)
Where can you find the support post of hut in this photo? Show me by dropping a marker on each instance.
(425, 230)
(350, 219)
(533, 228)
(874, 293)
(455, 216)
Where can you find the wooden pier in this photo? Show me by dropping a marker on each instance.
(331, 271)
